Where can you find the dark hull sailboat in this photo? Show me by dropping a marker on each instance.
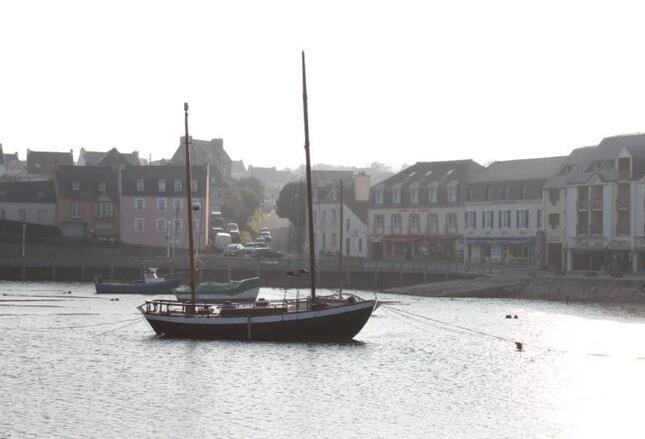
(332, 324)
(334, 318)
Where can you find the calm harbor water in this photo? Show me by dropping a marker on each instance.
(582, 373)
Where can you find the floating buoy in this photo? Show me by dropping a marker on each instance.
(519, 347)
(515, 316)
(508, 316)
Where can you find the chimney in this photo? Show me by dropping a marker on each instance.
(362, 187)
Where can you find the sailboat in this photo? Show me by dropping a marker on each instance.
(315, 318)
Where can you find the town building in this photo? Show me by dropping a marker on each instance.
(418, 213)
(153, 205)
(210, 153)
(44, 164)
(604, 211)
(503, 211)
(109, 158)
(272, 179)
(88, 201)
(28, 202)
(327, 216)
(238, 170)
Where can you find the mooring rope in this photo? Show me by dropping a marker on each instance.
(71, 327)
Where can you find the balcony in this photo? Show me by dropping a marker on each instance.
(622, 229)
(596, 204)
(583, 204)
(622, 203)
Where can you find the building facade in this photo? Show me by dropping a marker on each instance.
(154, 206)
(28, 202)
(503, 214)
(88, 202)
(418, 212)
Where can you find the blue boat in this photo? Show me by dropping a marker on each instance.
(151, 284)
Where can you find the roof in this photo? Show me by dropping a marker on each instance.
(151, 175)
(517, 170)
(578, 167)
(424, 173)
(88, 178)
(27, 192)
(113, 156)
(202, 151)
(46, 162)
(321, 177)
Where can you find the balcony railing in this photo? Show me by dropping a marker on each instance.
(622, 203)
(622, 229)
(596, 204)
(583, 204)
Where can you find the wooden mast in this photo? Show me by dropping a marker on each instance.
(310, 209)
(340, 254)
(191, 250)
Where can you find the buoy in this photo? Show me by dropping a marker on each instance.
(519, 347)
(508, 316)
(515, 316)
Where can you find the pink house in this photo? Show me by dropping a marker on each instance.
(153, 206)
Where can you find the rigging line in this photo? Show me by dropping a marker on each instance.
(69, 327)
(139, 319)
(429, 324)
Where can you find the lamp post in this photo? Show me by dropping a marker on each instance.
(24, 240)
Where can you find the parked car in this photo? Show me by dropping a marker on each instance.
(264, 229)
(232, 226)
(267, 253)
(260, 240)
(266, 235)
(222, 240)
(234, 250)
(235, 236)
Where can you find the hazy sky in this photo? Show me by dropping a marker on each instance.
(391, 81)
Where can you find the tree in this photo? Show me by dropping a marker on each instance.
(292, 204)
(254, 185)
(240, 203)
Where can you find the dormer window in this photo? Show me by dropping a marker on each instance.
(489, 193)
(139, 185)
(525, 191)
(101, 186)
(414, 195)
(162, 185)
(565, 170)
(76, 186)
(507, 192)
(471, 193)
(396, 196)
(378, 196)
(433, 194)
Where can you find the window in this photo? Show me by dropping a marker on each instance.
(177, 185)
(504, 219)
(360, 244)
(433, 194)
(379, 224)
(103, 209)
(324, 241)
(451, 222)
(395, 223)
(315, 217)
(347, 224)
(538, 218)
(414, 195)
(396, 196)
(139, 185)
(177, 205)
(489, 193)
(219, 193)
(161, 225)
(76, 186)
(487, 219)
(565, 170)
(22, 215)
(433, 223)
(193, 185)
(378, 196)
(525, 191)
(162, 185)
(471, 193)
(333, 240)
(162, 204)
(507, 192)
(178, 225)
(554, 220)
(471, 220)
(139, 225)
(554, 196)
(414, 223)
(452, 194)
(333, 216)
(75, 210)
(324, 217)
(42, 215)
(101, 186)
(139, 204)
(347, 245)
(522, 218)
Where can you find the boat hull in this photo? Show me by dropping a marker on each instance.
(340, 323)
(163, 287)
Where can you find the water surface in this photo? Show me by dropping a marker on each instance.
(582, 373)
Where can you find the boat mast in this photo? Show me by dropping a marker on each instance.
(310, 209)
(191, 250)
(340, 254)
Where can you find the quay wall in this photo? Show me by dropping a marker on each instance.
(581, 289)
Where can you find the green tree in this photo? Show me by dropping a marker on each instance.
(240, 203)
(254, 185)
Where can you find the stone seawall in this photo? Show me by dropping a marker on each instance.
(580, 289)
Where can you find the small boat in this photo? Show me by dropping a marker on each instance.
(213, 292)
(151, 284)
